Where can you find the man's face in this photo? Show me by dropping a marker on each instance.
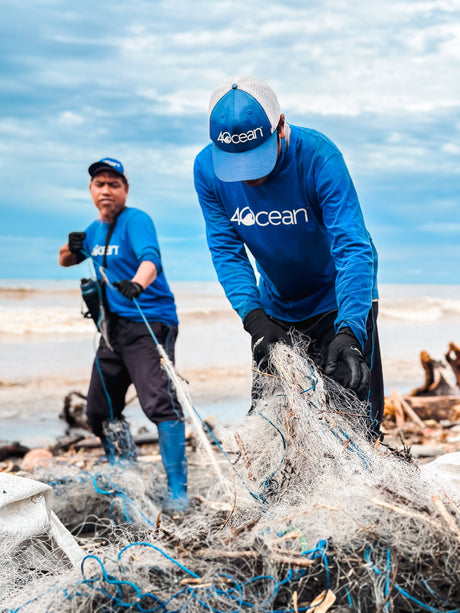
(109, 193)
(257, 182)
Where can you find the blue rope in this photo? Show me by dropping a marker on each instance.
(119, 585)
(270, 477)
(403, 592)
(315, 380)
(144, 544)
(235, 593)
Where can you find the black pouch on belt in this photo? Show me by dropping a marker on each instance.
(91, 292)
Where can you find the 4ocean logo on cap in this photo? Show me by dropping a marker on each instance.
(118, 166)
(243, 137)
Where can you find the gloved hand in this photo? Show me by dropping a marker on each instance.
(346, 349)
(264, 332)
(129, 289)
(76, 240)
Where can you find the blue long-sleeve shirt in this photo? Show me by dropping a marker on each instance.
(305, 229)
(133, 241)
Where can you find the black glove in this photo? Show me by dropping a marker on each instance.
(346, 349)
(76, 240)
(129, 289)
(264, 332)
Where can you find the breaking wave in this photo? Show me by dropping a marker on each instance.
(419, 309)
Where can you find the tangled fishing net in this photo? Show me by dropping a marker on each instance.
(297, 511)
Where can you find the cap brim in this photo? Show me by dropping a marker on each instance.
(98, 167)
(246, 166)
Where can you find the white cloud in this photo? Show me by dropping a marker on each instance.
(72, 194)
(327, 58)
(17, 128)
(178, 103)
(70, 118)
(452, 148)
(445, 228)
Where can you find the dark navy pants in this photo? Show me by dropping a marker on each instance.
(319, 330)
(136, 360)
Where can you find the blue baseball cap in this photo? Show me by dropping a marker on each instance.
(243, 116)
(108, 164)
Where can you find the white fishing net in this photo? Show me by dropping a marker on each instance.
(296, 510)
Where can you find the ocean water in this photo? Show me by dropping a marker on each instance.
(47, 349)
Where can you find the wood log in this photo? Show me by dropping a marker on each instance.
(408, 410)
(14, 450)
(435, 407)
(66, 443)
(399, 413)
(143, 438)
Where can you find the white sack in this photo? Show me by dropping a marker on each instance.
(25, 513)
(444, 473)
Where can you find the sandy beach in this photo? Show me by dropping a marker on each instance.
(47, 349)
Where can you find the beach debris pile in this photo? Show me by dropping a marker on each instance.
(435, 383)
(299, 510)
(427, 420)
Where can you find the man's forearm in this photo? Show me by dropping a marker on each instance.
(66, 257)
(146, 274)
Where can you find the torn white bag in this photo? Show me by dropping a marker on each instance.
(444, 473)
(25, 513)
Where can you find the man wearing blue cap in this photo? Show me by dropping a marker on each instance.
(124, 247)
(284, 193)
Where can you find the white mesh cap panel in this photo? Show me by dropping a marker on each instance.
(262, 92)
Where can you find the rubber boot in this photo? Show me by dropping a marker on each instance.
(171, 436)
(117, 441)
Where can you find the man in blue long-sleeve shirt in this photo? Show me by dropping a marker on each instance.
(123, 243)
(284, 193)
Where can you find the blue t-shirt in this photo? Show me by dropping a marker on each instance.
(133, 241)
(305, 229)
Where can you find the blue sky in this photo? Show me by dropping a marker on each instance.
(132, 80)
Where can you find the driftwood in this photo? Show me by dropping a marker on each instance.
(402, 409)
(13, 450)
(436, 399)
(433, 386)
(73, 411)
(143, 438)
(65, 444)
(454, 360)
(93, 442)
(436, 407)
(398, 410)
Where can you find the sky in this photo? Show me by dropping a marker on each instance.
(132, 80)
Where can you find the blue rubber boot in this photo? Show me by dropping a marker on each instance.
(171, 436)
(118, 442)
